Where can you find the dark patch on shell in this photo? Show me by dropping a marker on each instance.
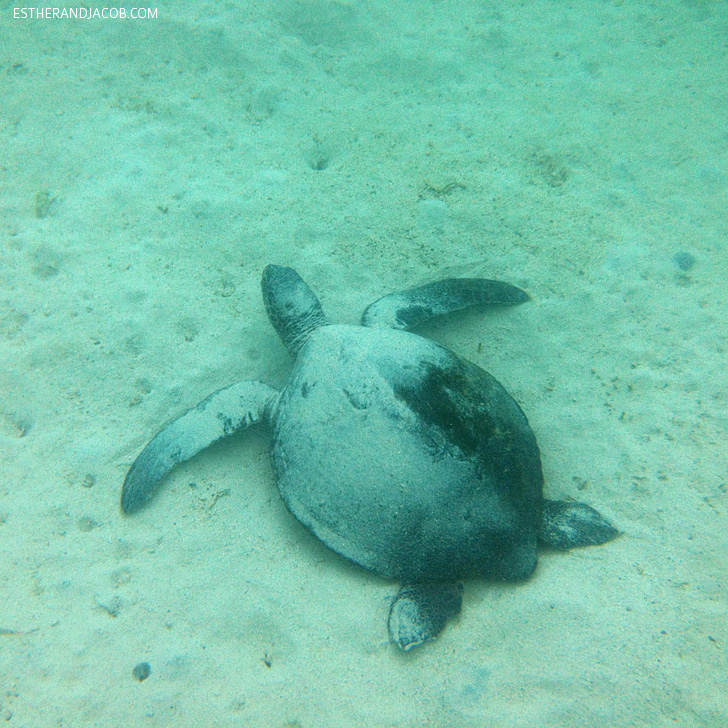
(440, 399)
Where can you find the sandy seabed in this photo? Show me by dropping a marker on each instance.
(150, 169)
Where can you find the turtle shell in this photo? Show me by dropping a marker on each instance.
(406, 459)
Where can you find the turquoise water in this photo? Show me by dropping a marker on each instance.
(150, 169)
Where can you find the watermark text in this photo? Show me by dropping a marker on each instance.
(84, 13)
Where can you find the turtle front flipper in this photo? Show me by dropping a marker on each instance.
(566, 525)
(222, 413)
(407, 309)
(420, 612)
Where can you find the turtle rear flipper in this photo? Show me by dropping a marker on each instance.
(407, 309)
(222, 413)
(566, 525)
(420, 612)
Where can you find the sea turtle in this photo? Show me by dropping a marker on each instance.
(398, 454)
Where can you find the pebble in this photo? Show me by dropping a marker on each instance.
(142, 671)
(683, 260)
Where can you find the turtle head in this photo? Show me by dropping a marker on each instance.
(291, 305)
